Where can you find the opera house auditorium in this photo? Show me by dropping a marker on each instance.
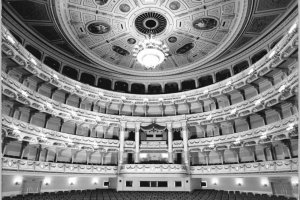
(149, 100)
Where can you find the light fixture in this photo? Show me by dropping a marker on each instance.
(292, 28)
(282, 88)
(272, 54)
(258, 102)
(33, 61)
(145, 100)
(233, 111)
(211, 145)
(10, 39)
(251, 71)
(150, 52)
(55, 77)
(24, 93)
(290, 127)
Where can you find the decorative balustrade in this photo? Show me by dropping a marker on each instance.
(272, 96)
(153, 145)
(129, 144)
(153, 169)
(178, 144)
(287, 165)
(276, 131)
(12, 164)
(18, 53)
(23, 131)
(277, 166)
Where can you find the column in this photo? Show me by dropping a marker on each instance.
(137, 142)
(46, 154)
(121, 140)
(38, 153)
(88, 157)
(73, 154)
(197, 82)
(23, 147)
(287, 144)
(185, 142)
(221, 155)
(170, 143)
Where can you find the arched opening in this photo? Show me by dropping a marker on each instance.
(258, 56)
(222, 75)
(240, 67)
(171, 88)
(121, 86)
(19, 39)
(87, 79)
(188, 85)
(104, 83)
(275, 42)
(36, 53)
(137, 88)
(154, 89)
(70, 72)
(205, 81)
(53, 64)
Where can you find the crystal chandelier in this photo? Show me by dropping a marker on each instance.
(150, 52)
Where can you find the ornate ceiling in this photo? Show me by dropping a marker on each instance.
(104, 32)
(195, 30)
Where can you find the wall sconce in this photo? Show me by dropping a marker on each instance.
(71, 183)
(17, 183)
(46, 183)
(95, 183)
(239, 184)
(215, 183)
(265, 185)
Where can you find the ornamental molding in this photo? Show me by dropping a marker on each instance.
(21, 56)
(12, 164)
(26, 96)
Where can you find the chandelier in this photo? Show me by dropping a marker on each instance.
(150, 52)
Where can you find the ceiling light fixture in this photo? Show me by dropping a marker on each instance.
(150, 52)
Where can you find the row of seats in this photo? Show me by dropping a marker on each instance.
(109, 194)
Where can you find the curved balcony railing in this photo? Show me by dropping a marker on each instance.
(280, 130)
(272, 96)
(23, 131)
(287, 165)
(12, 164)
(21, 56)
(277, 166)
(153, 169)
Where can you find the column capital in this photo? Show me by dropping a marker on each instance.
(123, 124)
(183, 123)
(169, 126)
(137, 125)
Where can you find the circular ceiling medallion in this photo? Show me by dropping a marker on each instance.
(131, 41)
(150, 23)
(172, 39)
(124, 7)
(101, 2)
(205, 23)
(175, 5)
(98, 28)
